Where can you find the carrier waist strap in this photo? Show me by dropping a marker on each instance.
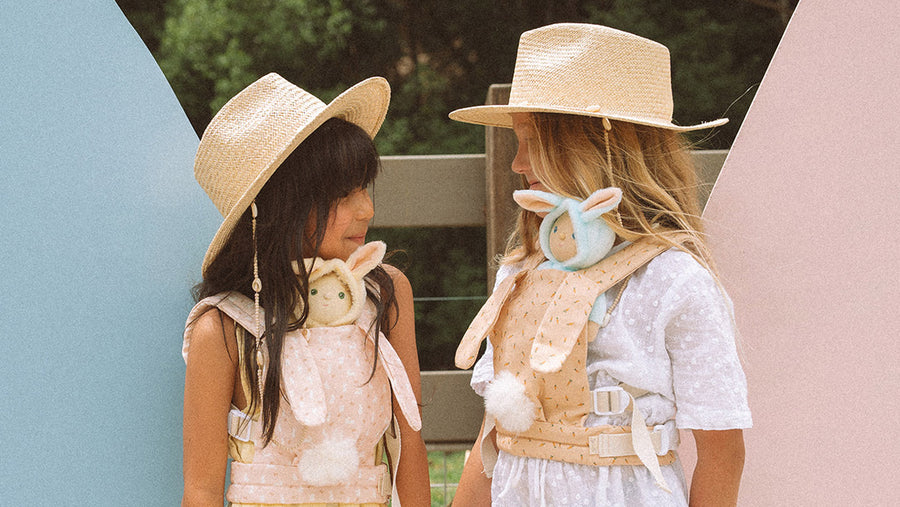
(282, 484)
(596, 446)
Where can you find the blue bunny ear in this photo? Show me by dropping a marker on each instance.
(536, 200)
(600, 202)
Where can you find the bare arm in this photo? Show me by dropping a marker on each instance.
(413, 485)
(720, 461)
(474, 486)
(208, 386)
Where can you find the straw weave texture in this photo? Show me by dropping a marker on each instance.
(259, 127)
(588, 70)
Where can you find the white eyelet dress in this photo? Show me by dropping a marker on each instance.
(672, 334)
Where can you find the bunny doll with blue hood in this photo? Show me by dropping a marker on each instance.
(573, 234)
(540, 322)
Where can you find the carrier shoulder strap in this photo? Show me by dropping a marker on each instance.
(569, 308)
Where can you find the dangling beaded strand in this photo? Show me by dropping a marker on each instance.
(615, 303)
(257, 288)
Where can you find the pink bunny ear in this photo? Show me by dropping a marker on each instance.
(302, 385)
(602, 200)
(535, 200)
(365, 258)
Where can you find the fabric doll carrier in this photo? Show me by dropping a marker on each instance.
(536, 321)
(331, 419)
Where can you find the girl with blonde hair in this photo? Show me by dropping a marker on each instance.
(591, 108)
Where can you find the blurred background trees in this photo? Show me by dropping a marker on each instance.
(439, 56)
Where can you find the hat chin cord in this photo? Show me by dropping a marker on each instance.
(257, 288)
(607, 126)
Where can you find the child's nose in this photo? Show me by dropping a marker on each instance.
(365, 209)
(520, 163)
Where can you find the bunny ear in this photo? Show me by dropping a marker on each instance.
(302, 385)
(601, 201)
(365, 258)
(536, 200)
(308, 263)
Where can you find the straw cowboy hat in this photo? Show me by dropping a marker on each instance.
(587, 70)
(259, 127)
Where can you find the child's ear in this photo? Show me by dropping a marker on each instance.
(365, 258)
(536, 200)
(600, 202)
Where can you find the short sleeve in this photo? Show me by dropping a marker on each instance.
(483, 372)
(708, 381)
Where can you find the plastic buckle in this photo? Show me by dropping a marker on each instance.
(611, 400)
(239, 425)
(665, 443)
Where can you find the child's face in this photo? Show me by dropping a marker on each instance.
(522, 163)
(347, 226)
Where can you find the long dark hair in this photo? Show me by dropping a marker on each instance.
(336, 159)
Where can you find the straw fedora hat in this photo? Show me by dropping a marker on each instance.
(587, 70)
(259, 127)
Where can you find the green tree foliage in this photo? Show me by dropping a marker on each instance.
(446, 267)
(719, 53)
(439, 56)
(211, 49)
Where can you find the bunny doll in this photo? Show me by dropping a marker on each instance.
(540, 395)
(338, 407)
(573, 234)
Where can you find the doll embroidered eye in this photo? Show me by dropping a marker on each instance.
(555, 228)
(341, 295)
(573, 235)
(313, 292)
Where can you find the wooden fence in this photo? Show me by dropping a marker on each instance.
(468, 190)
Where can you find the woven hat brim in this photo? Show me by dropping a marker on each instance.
(499, 116)
(364, 104)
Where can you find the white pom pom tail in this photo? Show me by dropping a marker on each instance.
(332, 461)
(505, 399)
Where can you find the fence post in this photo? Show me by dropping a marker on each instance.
(500, 182)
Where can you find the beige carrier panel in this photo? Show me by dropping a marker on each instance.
(536, 321)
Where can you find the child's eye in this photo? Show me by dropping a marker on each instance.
(341, 295)
(313, 292)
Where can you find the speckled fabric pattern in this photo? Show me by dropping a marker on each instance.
(671, 334)
(296, 468)
(329, 457)
(563, 395)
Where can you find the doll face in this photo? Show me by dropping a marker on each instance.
(329, 299)
(562, 239)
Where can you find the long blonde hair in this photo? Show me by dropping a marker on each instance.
(651, 165)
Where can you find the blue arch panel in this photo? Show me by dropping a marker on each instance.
(103, 229)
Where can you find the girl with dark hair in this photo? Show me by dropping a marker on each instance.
(308, 414)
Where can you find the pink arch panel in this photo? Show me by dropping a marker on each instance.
(804, 223)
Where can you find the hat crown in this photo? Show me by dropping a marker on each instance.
(258, 128)
(593, 69)
(248, 135)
